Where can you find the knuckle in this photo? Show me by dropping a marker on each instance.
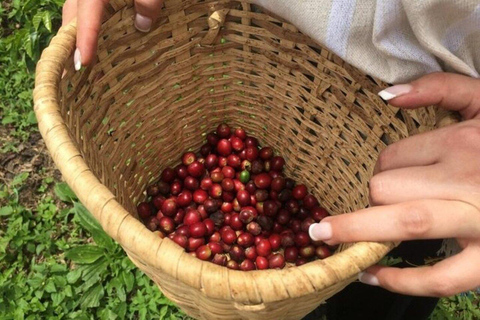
(385, 157)
(466, 136)
(376, 189)
(415, 220)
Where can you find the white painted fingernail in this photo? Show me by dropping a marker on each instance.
(368, 278)
(77, 59)
(395, 91)
(142, 23)
(320, 231)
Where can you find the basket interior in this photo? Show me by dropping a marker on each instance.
(150, 97)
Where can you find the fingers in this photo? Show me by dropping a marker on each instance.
(446, 278)
(412, 183)
(447, 90)
(90, 13)
(424, 219)
(418, 150)
(147, 12)
(69, 11)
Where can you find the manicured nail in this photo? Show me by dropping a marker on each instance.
(395, 91)
(320, 231)
(77, 59)
(142, 23)
(368, 278)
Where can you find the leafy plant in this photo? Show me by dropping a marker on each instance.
(51, 268)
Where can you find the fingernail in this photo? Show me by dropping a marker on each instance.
(77, 59)
(142, 23)
(395, 91)
(320, 231)
(368, 278)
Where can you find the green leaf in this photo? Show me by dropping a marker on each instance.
(57, 298)
(50, 287)
(37, 19)
(85, 254)
(20, 178)
(6, 211)
(129, 280)
(47, 20)
(89, 223)
(64, 193)
(92, 297)
(74, 275)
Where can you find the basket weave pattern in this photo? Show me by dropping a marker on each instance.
(113, 127)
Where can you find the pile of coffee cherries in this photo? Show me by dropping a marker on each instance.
(232, 205)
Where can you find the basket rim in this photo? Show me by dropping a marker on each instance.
(100, 201)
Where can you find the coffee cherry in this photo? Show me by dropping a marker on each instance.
(251, 253)
(247, 265)
(237, 144)
(277, 163)
(261, 263)
(237, 253)
(266, 153)
(310, 201)
(144, 210)
(276, 261)
(204, 252)
(220, 259)
(184, 199)
(153, 190)
(169, 207)
(318, 213)
(215, 247)
(299, 192)
(181, 240)
(198, 230)
(181, 171)
(245, 240)
(179, 216)
(167, 225)
(301, 261)
(212, 139)
(322, 252)
(224, 131)
(291, 254)
(229, 236)
(232, 264)
(176, 187)
(168, 174)
(251, 142)
(224, 147)
(164, 187)
(263, 181)
(196, 169)
(192, 216)
(254, 228)
(195, 243)
(199, 196)
(188, 158)
(264, 248)
(302, 239)
(228, 172)
(275, 241)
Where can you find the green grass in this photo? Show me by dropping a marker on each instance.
(55, 260)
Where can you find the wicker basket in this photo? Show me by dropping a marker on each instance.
(112, 127)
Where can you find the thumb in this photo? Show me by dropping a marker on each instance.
(147, 12)
(447, 90)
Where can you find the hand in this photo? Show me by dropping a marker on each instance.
(89, 15)
(424, 187)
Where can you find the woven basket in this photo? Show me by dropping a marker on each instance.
(113, 127)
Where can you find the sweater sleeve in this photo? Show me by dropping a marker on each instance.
(396, 41)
